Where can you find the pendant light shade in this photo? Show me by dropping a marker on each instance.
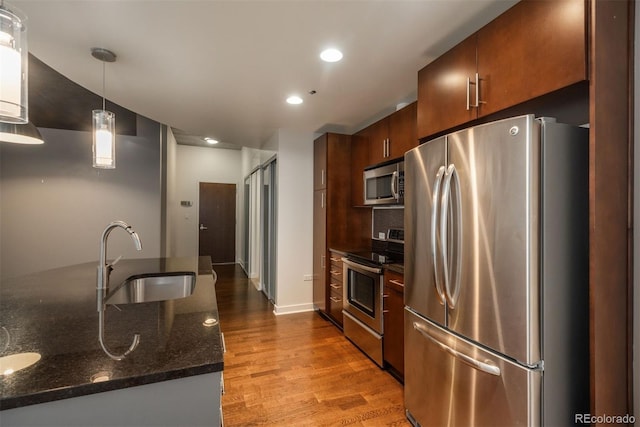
(20, 133)
(13, 69)
(104, 139)
(104, 122)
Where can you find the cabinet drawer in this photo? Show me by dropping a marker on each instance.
(335, 304)
(335, 268)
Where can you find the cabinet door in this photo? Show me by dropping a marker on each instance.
(359, 160)
(338, 188)
(378, 134)
(319, 250)
(442, 89)
(532, 49)
(402, 131)
(393, 343)
(320, 163)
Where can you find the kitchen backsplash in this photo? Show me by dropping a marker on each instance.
(385, 218)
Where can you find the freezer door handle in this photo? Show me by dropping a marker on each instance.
(434, 233)
(474, 363)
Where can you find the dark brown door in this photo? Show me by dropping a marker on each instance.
(217, 234)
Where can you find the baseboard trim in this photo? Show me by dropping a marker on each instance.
(291, 309)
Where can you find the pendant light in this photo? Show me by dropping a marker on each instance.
(14, 60)
(104, 122)
(14, 85)
(20, 133)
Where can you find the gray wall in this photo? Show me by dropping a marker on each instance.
(54, 205)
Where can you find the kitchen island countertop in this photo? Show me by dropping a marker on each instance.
(53, 313)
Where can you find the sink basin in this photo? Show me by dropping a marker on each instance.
(153, 287)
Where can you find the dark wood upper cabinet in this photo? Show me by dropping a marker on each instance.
(532, 49)
(443, 90)
(377, 135)
(320, 163)
(403, 135)
(359, 160)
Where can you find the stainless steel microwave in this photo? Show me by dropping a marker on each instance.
(384, 184)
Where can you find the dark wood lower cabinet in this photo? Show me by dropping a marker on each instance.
(393, 341)
(335, 290)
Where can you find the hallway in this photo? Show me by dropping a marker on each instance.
(297, 369)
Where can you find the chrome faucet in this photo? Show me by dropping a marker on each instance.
(102, 285)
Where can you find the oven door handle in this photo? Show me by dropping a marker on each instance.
(357, 265)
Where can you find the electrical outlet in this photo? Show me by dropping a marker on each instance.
(308, 277)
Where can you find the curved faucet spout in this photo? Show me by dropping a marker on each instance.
(134, 344)
(102, 284)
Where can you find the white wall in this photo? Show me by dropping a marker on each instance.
(55, 205)
(636, 224)
(195, 165)
(295, 221)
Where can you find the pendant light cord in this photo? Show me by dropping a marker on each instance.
(103, 85)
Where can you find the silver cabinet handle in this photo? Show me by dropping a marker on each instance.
(334, 299)
(322, 200)
(203, 227)
(477, 85)
(477, 91)
(322, 176)
(224, 344)
(478, 102)
(335, 286)
(434, 233)
(474, 363)
(396, 282)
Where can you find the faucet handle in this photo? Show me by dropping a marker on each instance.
(115, 261)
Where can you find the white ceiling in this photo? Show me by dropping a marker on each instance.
(224, 68)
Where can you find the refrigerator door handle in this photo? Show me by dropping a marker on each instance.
(434, 233)
(451, 293)
(474, 363)
(454, 292)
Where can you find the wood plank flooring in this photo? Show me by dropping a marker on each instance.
(296, 369)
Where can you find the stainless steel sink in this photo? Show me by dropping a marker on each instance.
(153, 287)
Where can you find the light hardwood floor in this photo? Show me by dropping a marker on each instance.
(296, 369)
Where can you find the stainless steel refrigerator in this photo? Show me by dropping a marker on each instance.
(496, 276)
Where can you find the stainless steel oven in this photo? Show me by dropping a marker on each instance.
(362, 307)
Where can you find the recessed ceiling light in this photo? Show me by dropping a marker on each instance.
(211, 140)
(294, 99)
(331, 55)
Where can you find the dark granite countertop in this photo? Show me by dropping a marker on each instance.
(53, 313)
(397, 267)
